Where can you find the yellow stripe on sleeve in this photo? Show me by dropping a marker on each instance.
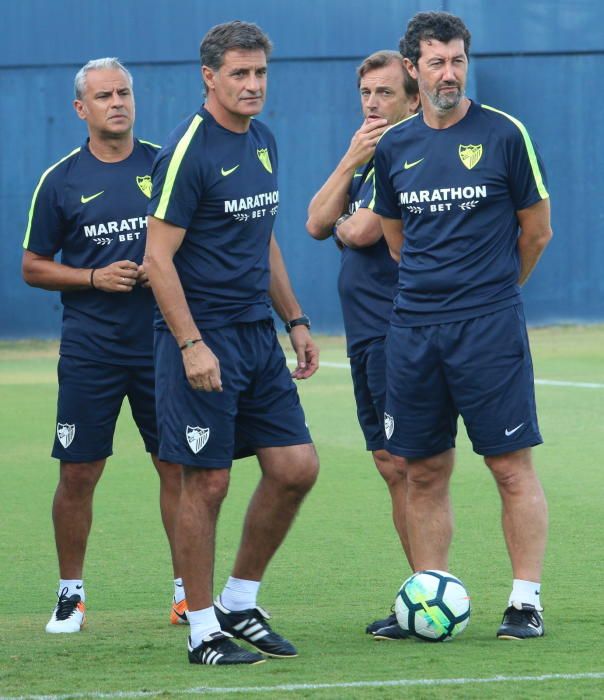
(175, 161)
(35, 195)
(530, 149)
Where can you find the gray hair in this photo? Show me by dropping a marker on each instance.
(79, 84)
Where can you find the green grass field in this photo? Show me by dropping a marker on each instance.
(339, 569)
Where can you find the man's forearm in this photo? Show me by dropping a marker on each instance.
(530, 250)
(535, 234)
(171, 300)
(361, 229)
(282, 295)
(54, 276)
(330, 201)
(163, 240)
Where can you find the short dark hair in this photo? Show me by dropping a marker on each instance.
(424, 26)
(232, 35)
(380, 59)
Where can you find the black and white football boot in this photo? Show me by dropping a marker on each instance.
(217, 649)
(252, 627)
(521, 621)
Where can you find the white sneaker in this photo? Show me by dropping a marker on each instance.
(69, 614)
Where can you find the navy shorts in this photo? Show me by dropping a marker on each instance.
(90, 398)
(479, 368)
(258, 406)
(368, 369)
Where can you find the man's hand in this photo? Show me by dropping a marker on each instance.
(307, 352)
(142, 279)
(120, 276)
(202, 368)
(363, 143)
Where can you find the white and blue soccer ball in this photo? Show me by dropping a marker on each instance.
(433, 606)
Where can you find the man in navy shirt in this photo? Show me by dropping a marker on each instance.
(224, 390)
(91, 206)
(464, 204)
(368, 274)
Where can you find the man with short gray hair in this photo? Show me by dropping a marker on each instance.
(91, 206)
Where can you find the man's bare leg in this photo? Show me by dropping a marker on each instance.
(429, 514)
(394, 474)
(72, 514)
(524, 512)
(288, 474)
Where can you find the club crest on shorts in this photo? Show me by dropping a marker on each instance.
(264, 158)
(65, 433)
(388, 425)
(197, 437)
(144, 184)
(470, 155)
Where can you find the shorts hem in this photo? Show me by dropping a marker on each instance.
(417, 453)
(186, 461)
(77, 459)
(374, 446)
(290, 442)
(508, 447)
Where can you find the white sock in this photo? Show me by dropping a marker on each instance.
(179, 590)
(73, 585)
(239, 594)
(203, 622)
(526, 592)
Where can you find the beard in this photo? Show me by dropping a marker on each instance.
(446, 101)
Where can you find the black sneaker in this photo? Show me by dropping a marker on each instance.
(252, 626)
(217, 649)
(391, 633)
(378, 624)
(521, 621)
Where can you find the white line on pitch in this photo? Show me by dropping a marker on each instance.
(293, 687)
(543, 382)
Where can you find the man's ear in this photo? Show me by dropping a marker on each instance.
(80, 109)
(209, 77)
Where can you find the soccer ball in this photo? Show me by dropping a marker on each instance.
(433, 605)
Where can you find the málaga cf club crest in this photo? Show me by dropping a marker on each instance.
(144, 184)
(197, 437)
(388, 425)
(264, 158)
(65, 433)
(470, 155)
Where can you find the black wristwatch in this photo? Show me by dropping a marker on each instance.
(302, 321)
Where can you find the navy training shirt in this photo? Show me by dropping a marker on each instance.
(94, 213)
(457, 191)
(221, 186)
(368, 276)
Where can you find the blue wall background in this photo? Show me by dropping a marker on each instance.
(541, 60)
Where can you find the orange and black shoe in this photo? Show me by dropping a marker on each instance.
(178, 614)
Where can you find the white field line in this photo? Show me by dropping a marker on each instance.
(293, 687)
(543, 382)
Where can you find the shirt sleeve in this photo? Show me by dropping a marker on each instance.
(45, 226)
(177, 177)
(526, 174)
(385, 203)
(368, 192)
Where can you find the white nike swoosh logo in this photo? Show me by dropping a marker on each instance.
(513, 430)
(92, 196)
(411, 165)
(228, 172)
